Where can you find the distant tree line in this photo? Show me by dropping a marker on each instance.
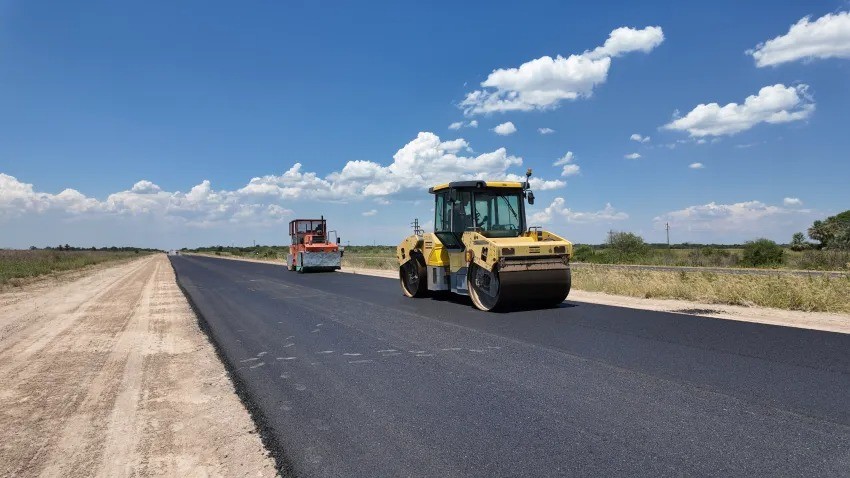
(67, 247)
(832, 233)
(831, 251)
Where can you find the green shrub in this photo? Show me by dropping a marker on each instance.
(762, 252)
(798, 242)
(583, 253)
(625, 247)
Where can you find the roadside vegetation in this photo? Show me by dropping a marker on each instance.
(17, 265)
(782, 291)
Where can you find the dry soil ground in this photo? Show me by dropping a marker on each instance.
(107, 374)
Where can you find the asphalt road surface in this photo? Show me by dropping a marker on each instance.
(353, 379)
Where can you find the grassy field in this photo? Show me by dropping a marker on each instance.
(781, 291)
(16, 265)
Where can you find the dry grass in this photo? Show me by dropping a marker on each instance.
(358, 261)
(782, 291)
(16, 265)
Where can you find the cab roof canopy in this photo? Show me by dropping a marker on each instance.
(477, 185)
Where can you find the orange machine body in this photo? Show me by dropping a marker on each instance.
(310, 246)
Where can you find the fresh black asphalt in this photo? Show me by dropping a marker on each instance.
(350, 378)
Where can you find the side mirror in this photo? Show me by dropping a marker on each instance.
(337, 240)
(530, 198)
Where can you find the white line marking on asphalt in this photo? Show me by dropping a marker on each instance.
(416, 351)
(391, 354)
(493, 347)
(452, 349)
(351, 355)
(325, 352)
(387, 350)
(314, 331)
(287, 358)
(288, 345)
(424, 355)
(476, 350)
(261, 354)
(257, 365)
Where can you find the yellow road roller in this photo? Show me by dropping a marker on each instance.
(483, 247)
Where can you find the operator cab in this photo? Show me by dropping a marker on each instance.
(493, 209)
(307, 231)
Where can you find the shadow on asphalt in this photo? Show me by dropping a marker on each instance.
(464, 300)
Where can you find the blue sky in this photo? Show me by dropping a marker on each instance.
(133, 106)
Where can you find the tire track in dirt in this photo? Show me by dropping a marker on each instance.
(114, 378)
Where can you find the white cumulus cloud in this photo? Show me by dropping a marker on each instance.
(792, 202)
(697, 166)
(773, 104)
(752, 217)
(423, 162)
(463, 124)
(569, 167)
(545, 130)
(559, 210)
(505, 129)
(826, 37)
(632, 156)
(370, 212)
(200, 206)
(545, 82)
(639, 138)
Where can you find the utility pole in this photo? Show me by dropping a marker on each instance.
(667, 226)
(416, 229)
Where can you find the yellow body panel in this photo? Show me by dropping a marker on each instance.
(486, 251)
(409, 244)
(435, 254)
(489, 184)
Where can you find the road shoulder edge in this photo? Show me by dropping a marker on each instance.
(283, 464)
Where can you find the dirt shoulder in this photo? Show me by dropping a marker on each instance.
(107, 374)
